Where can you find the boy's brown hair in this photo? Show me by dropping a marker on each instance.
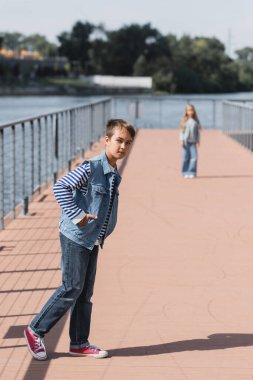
(119, 123)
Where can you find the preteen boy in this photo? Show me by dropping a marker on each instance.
(88, 197)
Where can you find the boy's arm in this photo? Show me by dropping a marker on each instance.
(64, 188)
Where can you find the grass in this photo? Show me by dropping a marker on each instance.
(58, 82)
(61, 82)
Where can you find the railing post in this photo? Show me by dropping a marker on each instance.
(75, 132)
(224, 117)
(46, 149)
(91, 125)
(39, 155)
(249, 128)
(32, 156)
(71, 131)
(52, 149)
(24, 198)
(214, 114)
(82, 132)
(56, 148)
(13, 172)
(65, 137)
(69, 140)
(2, 178)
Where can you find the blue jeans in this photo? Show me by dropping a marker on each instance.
(189, 157)
(78, 277)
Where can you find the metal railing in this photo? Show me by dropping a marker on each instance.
(34, 151)
(165, 112)
(238, 122)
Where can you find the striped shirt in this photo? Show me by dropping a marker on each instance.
(78, 179)
(63, 191)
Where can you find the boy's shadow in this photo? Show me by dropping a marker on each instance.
(214, 342)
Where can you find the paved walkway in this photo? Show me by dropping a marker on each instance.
(173, 297)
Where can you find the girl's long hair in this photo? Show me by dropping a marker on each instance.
(185, 117)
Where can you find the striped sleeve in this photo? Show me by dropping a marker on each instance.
(63, 189)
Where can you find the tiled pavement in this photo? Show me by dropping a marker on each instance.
(173, 297)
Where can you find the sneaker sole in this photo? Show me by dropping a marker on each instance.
(96, 356)
(32, 353)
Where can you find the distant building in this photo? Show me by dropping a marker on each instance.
(23, 54)
(118, 82)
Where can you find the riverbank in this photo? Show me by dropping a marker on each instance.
(68, 90)
(66, 87)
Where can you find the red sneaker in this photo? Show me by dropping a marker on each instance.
(89, 350)
(35, 344)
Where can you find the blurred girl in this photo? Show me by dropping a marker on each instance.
(190, 141)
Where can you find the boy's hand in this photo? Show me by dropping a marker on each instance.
(85, 220)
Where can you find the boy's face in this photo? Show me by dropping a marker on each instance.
(117, 146)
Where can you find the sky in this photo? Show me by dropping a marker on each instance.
(231, 22)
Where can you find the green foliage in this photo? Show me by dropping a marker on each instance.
(12, 41)
(76, 44)
(164, 81)
(35, 42)
(245, 67)
(125, 45)
(39, 43)
(177, 65)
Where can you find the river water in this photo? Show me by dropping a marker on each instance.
(151, 111)
(21, 107)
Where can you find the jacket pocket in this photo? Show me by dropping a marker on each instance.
(100, 190)
(87, 229)
(100, 196)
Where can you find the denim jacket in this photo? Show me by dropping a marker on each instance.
(96, 202)
(191, 132)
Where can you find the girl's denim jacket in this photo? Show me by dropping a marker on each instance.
(190, 133)
(96, 202)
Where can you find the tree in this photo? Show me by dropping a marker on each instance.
(203, 66)
(244, 63)
(124, 47)
(245, 54)
(76, 44)
(37, 42)
(12, 40)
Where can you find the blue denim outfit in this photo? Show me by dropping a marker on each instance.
(190, 137)
(96, 202)
(79, 256)
(189, 158)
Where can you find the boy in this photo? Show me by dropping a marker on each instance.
(88, 197)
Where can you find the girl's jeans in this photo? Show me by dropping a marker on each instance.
(78, 276)
(189, 157)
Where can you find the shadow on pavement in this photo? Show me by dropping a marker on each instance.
(214, 342)
(224, 176)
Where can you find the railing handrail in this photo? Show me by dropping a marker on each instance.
(238, 122)
(239, 104)
(34, 151)
(68, 109)
(182, 97)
